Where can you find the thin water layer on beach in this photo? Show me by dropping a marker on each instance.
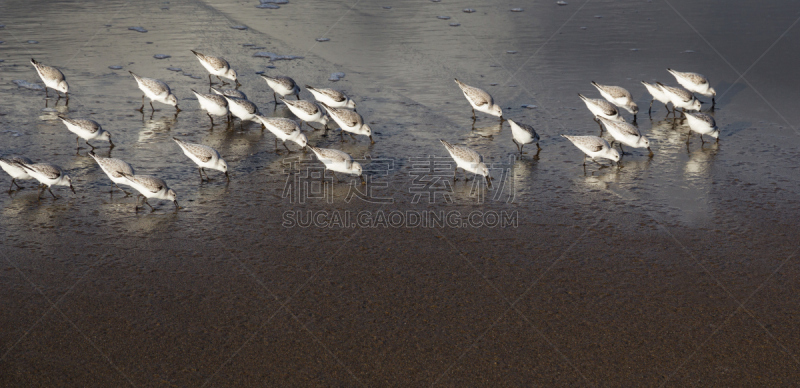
(677, 269)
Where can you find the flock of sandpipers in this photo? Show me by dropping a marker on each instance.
(335, 105)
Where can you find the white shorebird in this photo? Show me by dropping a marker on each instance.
(619, 97)
(336, 160)
(523, 134)
(205, 157)
(332, 97)
(349, 121)
(696, 83)
(601, 108)
(48, 175)
(284, 129)
(212, 104)
(155, 90)
(468, 160)
(703, 124)
(307, 111)
(151, 187)
(242, 108)
(230, 93)
(114, 168)
(217, 66)
(10, 164)
(680, 98)
(593, 147)
(87, 130)
(627, 134)
(282, 85)
(658, 95)
(52, 78)
(480, 100)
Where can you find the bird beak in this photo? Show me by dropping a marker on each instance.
(176, 205)
(112, 144)
(177, 109)
(228, 177)
(370, 139)
(73, 189)
(363, 181)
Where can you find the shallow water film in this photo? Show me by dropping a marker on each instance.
(679, 269)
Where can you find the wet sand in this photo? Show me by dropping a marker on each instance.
(680, 270)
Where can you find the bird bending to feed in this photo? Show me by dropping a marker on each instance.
(626, 133)
(284, 129)
(217, 66)
(658, 95)
(467, 160)
(307, 111)
(48, 175)
(332, 98)
(349, 121)
(680, 98)
(242, 108)
(10, 164)
(151, 187)
(601, 108)
(703, 124)
(335, 160)
(282, 85)
(480, 100)
(155, 90)
(593, 147)
(523, 134)
(230, 93)
(87, 130)
(619, 97)
(52, 78)
(212, 104)
(205, 157)
(696, 83)
(114, 168)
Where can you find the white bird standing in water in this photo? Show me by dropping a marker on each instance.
(349, 121)
(114, 168)
(204, 157)
(155, 90)
(52, 78)
(619, 97)
(335, 160)
(480, 100)
(151, 187)
(332, 97)
(626, 133)
(593, 147)
(217, 66)
(658, 95)
(523, 134)
(696, 83)
(703, 124)
(282, 85)
(87, 130)
(48, 175)
(468, 160)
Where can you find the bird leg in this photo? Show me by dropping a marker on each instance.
(275, 97)
(473, 115)
(200, 171)
(51, 193)
(142, 108)
(600, 124)
(209, 80)
(87, 143)
(148, 204)
(649, 110)
(127, 194)
(287, 148)
(153, 109)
